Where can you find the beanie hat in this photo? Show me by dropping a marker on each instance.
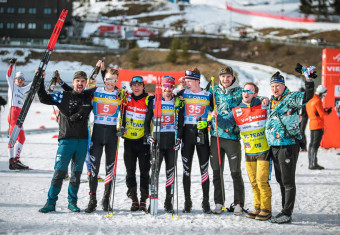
(226, 70)
(320, 90)
(192, 75)
(19, 75)
(277, 78)
(80, 74)
(168, 80)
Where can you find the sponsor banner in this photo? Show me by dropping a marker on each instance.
(149, 77)
(331, 80)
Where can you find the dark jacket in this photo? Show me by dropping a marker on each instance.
(74, 111)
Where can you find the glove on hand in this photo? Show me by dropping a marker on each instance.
(177, 145)
(202, 124)
(150, 140)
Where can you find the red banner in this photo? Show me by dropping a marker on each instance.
(262, 14)
(331, 80)
(149, 77)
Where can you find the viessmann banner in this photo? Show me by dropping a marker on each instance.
(331, 80)
(149, 77)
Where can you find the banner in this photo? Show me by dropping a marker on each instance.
(331, 80)
(149, 77)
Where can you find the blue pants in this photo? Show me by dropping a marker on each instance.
(69, 149)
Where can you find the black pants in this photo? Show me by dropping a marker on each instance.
(315, 140)
(203, 152)
(133, 150)
(303, 125)
(285, 159)
(232, 149)
(102, 136)
(169, 157)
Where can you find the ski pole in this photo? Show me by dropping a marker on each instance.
(112, 191)
(175, 167)
(218, 145)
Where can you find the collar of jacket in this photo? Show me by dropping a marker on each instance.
(255, 101)
(232, 86)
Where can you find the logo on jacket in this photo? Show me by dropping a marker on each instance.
(238, 112)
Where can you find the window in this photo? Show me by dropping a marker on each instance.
(47, 10)
(21, 10)
(2, 10)
(10, 25)
(32, 26)
(47, 26)
(32, 10)
(1, 25)
(10, 10)
(21, 25)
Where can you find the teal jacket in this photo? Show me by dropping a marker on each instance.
(286, 110)
(226, 99)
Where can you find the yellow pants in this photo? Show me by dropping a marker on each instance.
(258, 172)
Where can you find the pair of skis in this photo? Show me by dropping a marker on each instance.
(37, 79)
(155, 151)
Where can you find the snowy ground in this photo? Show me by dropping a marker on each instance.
(22, 194)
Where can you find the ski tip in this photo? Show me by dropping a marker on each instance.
(223, 208)
(178, 217)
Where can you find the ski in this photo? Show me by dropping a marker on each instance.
(155, 149)
(37, 78)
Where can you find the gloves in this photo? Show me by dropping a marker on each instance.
(308, 72)
(13, 61)
(202, 125)
(121, 131)
(298, 68)
(150, 139)
(177, 145)
(179, 102)
(328, 110)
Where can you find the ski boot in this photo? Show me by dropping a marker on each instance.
(254, 213)
(206, 206)
(16, 164)
(135, 205)
(238, 209)
(168, 207)
(187, 205)
(72, 206)
(47, 208)
(106, 201)
(92, 203)
(142, 205)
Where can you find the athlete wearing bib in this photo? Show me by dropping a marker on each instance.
(16, 98)
(197, 105)
(134, 147)
(251, 117)
(167, 134)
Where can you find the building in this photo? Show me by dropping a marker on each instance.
(31, 19)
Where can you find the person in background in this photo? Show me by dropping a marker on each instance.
(316, 114)
(16, 97)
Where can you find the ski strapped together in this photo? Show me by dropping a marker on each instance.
(37, 78)
(175, 165)
(218, 144)
(112, 176)
(155, 151)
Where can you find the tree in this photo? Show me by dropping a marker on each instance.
(336, 6)
(185, 49)
(306, 6)
(172, 56)
(134, 57)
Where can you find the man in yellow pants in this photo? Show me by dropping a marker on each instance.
(251, 117)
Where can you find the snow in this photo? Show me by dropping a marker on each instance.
(22, 194)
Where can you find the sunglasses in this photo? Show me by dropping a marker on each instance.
(168, 86)
(20, 78)
(114, 80)
(248, 91)
(137, 79)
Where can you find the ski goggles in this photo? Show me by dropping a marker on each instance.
(113, 80)
(137, 79)
(168, 86)
(20, 78)
(248, 91)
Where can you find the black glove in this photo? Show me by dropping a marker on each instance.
(298, 68)
(3, 102)
(328, 110)
(13, 61)
(177, 145)
(121, 131)
(313, 75)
